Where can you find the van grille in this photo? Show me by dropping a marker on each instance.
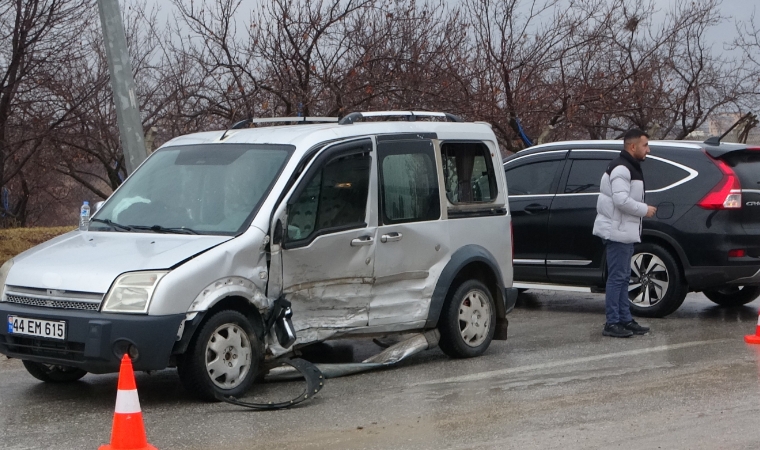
(52, 303)
(83, 301)
(71, 351)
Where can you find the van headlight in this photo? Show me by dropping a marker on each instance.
(132, 292)
(4, 269)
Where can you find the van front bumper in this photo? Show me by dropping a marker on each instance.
(94, 341)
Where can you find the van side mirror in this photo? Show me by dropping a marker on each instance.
(98, 205)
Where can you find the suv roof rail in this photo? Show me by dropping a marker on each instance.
(299, 119)
(409, 116)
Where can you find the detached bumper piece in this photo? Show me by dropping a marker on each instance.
(314, 383)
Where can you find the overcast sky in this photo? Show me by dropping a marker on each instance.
(719, 36)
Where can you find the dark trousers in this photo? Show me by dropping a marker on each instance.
(618, 277)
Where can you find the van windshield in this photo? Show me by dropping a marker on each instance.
(195, 189)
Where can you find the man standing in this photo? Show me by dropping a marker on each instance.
(620, 209)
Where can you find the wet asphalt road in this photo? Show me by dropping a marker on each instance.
(691, 383)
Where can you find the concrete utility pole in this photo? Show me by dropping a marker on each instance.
(122, 84)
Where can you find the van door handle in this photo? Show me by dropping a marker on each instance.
(535, 207)
(360, 241)
(391, 237)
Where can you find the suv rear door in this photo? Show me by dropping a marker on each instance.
(532, 183)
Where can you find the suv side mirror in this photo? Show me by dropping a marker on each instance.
(98, 205)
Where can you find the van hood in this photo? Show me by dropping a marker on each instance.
(91, 261)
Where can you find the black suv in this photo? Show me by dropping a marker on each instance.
(705, 236)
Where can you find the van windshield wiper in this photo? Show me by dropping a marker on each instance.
(112, 224)
(160, 229)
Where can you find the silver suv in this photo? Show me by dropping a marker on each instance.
(228, 249)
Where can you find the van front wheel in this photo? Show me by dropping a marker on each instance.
(467, 321)
(223, 358)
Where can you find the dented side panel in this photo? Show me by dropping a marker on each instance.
(236, 267)
(406, 271)
(329, 282)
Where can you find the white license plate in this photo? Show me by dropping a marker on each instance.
(51, 329)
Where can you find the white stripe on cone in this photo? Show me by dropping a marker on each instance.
(127, 402)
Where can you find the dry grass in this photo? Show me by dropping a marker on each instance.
(15, 240)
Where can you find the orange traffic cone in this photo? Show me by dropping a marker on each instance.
(128, 432)
(754, 339)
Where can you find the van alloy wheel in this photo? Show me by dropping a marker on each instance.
(649, 280)
(474, 318)
(228, 356)
(468, 320)
(223, 358)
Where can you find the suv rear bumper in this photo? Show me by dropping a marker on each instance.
(702, 277)
(94, 341)
(754, 279)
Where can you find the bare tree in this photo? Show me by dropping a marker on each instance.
(41, 35)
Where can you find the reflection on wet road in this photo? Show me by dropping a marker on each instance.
(556, 383)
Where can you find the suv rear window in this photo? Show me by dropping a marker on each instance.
(467, 173)
(660, 174)
(747, 167)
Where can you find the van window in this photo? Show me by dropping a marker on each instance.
(409, 181)
(335, 198)
(468, 173)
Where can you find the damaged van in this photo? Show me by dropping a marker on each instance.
(225, 251)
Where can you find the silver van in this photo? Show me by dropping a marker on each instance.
(229, 249)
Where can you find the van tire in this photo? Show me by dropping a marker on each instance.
(454, 320)
(51, 373)
(225, 339)
(732, 296)
(660, 267)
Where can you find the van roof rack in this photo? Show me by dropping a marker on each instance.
(243, 123)
(409, 116)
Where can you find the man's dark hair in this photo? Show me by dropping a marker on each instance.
(632, 135)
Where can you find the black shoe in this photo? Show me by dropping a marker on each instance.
(616, 330)
(635, 328)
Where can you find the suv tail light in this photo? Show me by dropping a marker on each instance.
(727, 194)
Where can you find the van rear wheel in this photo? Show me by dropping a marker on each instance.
(223, 358)
(467, 321)
(51, 373)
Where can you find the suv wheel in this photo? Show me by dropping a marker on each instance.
(657, 287)
(223, 358)
(732, 295)
(467, 320)
(51, 373)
